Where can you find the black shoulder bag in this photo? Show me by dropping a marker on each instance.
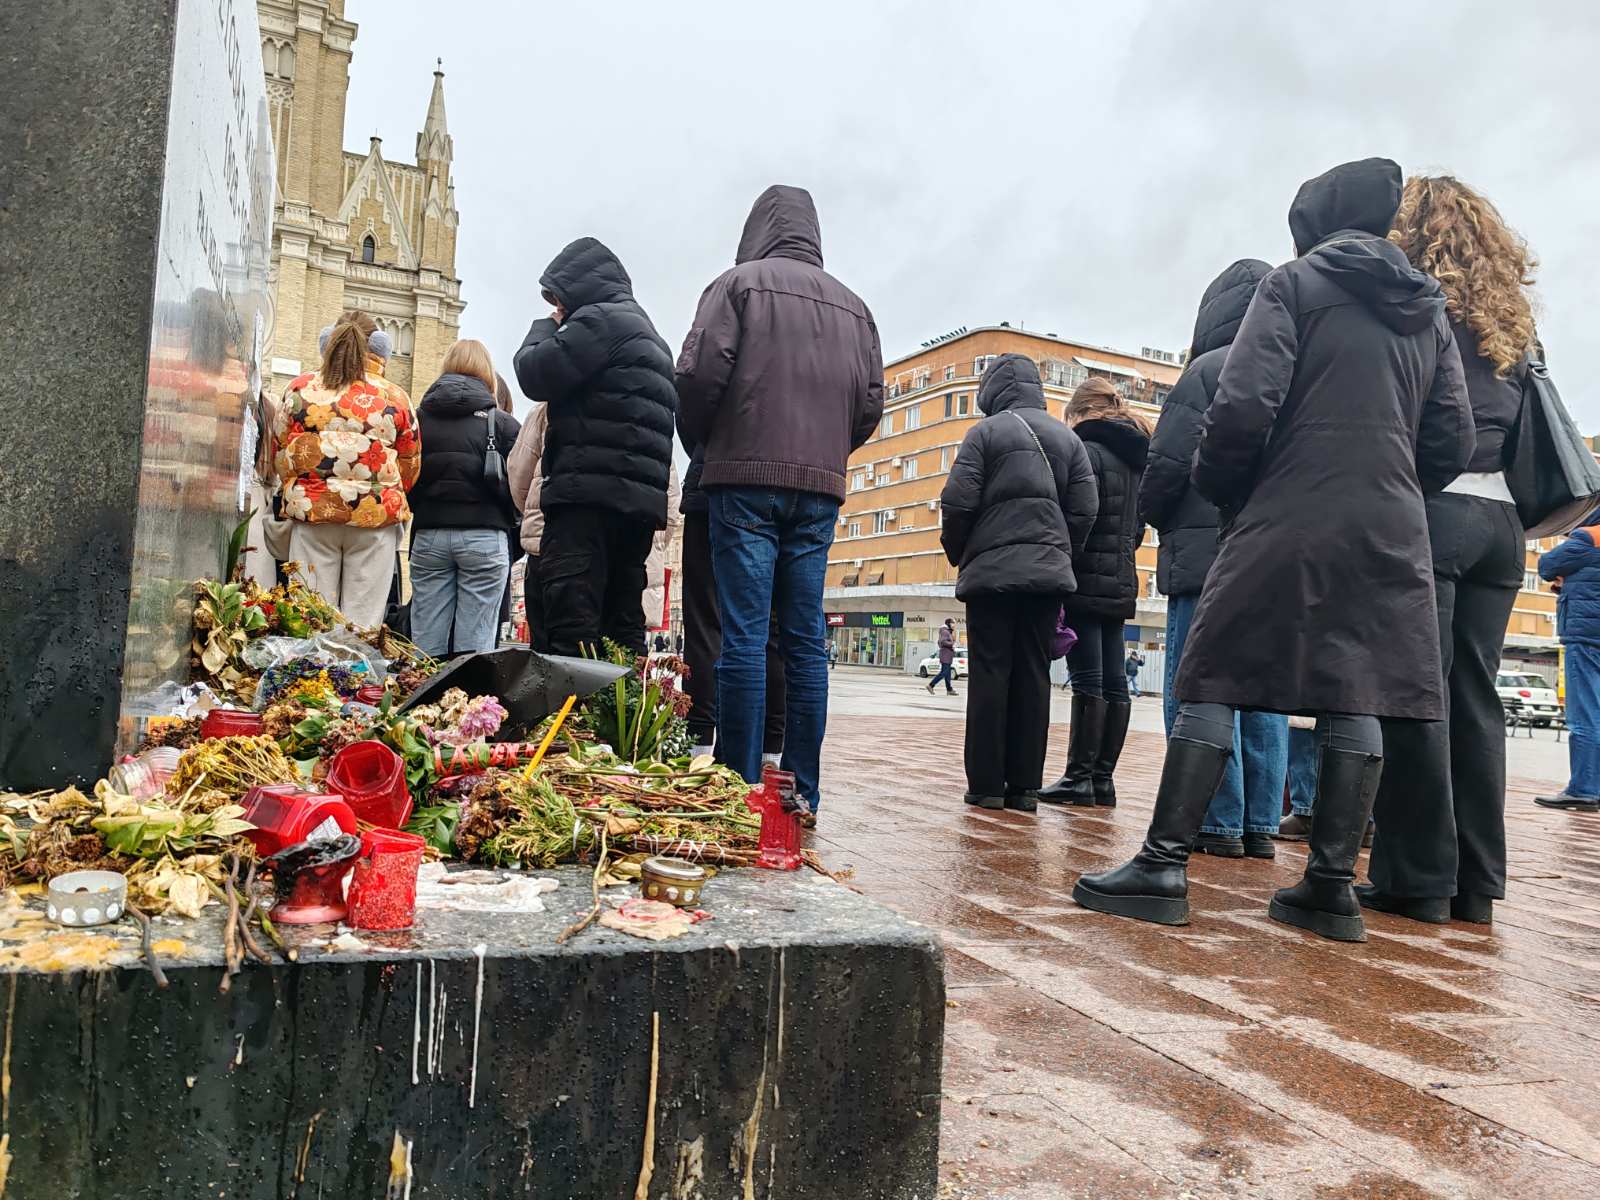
(1552, 473)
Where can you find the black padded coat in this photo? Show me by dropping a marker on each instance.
(452, 492)
(1021, 495)
(1108, 583)
(1186, 520)
(1341, 402)
(607, 377)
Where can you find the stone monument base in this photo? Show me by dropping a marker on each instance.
(788, 1048)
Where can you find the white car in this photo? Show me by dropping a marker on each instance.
(1527, 699)
(930, 665)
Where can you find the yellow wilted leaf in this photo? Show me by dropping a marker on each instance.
(188, 894)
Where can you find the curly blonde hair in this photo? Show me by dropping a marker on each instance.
(1454, 234)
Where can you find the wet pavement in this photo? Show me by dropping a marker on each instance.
(1088, 1056)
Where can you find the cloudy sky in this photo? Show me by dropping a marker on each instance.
(1081, 168)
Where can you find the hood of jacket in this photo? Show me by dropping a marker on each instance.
(586, 272)
(1224, 304)
(1361, 195)
(453, 395)
(1118, 435)
(1011, 381)
(1376, 272)
(782, 224)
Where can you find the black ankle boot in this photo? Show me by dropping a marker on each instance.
(1154, 885)
(1472, 906)
(1323, 901)
(1022, 799)
(1105, 764)
(1431, 910)
(1088, 731)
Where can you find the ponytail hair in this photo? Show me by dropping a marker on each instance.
(344, 361)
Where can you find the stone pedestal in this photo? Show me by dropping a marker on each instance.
(796, 1038)
(135, 208)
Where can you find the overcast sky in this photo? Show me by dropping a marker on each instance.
(1082, 168)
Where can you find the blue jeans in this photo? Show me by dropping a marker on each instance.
(947, 675)
(769, 553)
(457, 579)
(1302, 771)
(1583, 718)
(1250, 799)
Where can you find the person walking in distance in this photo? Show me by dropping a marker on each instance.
(606, 375)
(1243, 815)
(462, 507)
(833, 654)
(947, 658)
(1117, 442)
(1440, 845)
(780, 378)
(347, 452)
(1018, 506)
(1341, 403)
(1132, 666)
(1574, 567)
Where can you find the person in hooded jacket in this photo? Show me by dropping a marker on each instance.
(606, 374)
(780, 378)
(462, 509)
(1341, 403)
(1017, 508)
(1244, 813)
(1117, 442)
(1574, 567)
(1440, 847)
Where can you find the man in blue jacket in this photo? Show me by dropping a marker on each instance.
(1576, 565)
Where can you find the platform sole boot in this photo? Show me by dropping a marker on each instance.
(1154, 884)
(1111, 743)
(1324, 901)
(1088, 731)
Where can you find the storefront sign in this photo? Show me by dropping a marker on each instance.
(834, 620)
(861, 620)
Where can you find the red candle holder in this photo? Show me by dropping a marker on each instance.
(779, 807)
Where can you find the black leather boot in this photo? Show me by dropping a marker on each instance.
(1323, 901)
(1154, 884)
(1111, 742)
(1432, 910)
(1088, 731)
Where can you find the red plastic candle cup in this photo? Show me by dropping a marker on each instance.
(780, 820)
(372, 779)
(383, 890)
(230, 722)
(285, 814)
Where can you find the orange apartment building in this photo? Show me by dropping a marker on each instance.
(888, 584)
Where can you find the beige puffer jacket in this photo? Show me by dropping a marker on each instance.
(526, 474)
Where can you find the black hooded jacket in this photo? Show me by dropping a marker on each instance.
(781, 375)
(452, 491)
(1021, 494)
(1108, 582)
(1341, 403)
(1186, 520)
(607, 376)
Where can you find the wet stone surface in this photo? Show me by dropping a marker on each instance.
(1091, 1057)
(795, 1039)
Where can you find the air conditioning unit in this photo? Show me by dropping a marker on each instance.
(933, 506)
(894, 462)
(889, 514)
(857, 562)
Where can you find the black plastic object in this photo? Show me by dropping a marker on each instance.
(529, 684)
(288, 864)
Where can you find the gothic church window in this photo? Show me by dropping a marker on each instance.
(286, 62)
(369, 249)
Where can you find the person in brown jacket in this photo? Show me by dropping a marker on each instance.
(525, 472)
(780, 378)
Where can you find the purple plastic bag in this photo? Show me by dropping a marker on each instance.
(1065, 637)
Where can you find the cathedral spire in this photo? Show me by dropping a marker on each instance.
(434, 147)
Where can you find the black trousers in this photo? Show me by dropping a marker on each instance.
(1096, 664)
(1440, 812)
(592, 565)
(702, 643)
(533, 601)
(1008, 691)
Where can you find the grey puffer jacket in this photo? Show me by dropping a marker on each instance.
(1186, 520)
(1021, 496)
(781, 375)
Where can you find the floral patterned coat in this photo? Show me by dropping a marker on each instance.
(346, 458)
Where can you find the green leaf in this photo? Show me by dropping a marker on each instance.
(235, 549)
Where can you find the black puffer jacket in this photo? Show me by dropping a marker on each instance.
(607, 376)
(1108, 585)
(1186, 520)
(1012, 519)
(451, 492)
